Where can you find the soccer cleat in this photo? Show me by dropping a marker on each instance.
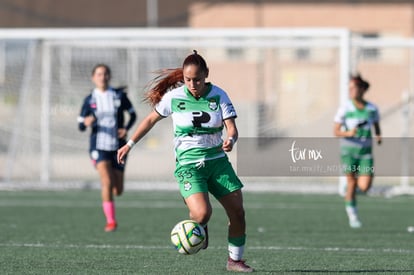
(355, 223)
(206, 239)
(111, 227)
(238, 266)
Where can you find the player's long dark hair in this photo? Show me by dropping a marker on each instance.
(361, 83)
(168, 79)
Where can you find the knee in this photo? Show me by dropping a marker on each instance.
(106, 183)
(364, 188)
(365, 184)
(117, 191)
(351, 180)
(202, 216)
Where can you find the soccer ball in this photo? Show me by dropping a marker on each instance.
(188, 237)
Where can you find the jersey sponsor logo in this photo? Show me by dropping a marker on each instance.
(362, 124)
(199, 118)
(181, 105)
(230, 108)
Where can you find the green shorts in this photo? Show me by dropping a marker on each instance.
(216, 176)
(357, 161)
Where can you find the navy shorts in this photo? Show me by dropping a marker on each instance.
(100, 155)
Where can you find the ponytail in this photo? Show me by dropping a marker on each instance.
(166, 80)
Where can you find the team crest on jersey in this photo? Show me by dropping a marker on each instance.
(187, 186)
(92, 104)
(212, 104)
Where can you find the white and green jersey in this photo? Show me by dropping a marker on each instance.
(349, 116)
(198, 123)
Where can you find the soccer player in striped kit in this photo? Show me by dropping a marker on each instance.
(353, 122)
(200, 111)
(103, 111)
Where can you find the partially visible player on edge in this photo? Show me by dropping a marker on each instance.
(353, 122)
(199, 111)
(103, 111)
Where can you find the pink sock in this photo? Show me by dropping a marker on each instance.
(109, 211)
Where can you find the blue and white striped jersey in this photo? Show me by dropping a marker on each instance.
(108, 108)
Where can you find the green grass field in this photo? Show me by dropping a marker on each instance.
(62, 233)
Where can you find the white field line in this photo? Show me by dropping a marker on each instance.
(260, 248)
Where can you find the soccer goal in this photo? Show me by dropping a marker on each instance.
(283, 82)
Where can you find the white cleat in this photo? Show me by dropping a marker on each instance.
(355, 223)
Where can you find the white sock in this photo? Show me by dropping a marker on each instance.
(236, 252)
(352, 212)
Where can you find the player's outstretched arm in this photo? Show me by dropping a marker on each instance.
(232, 134)
(143, 128)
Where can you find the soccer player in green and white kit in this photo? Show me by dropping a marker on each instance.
(353, 122)
(200, 111)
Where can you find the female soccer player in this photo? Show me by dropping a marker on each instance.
(103, 111)
(353, 122)
(199, 111)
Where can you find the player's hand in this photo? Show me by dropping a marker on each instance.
(122, 153)
(89, 120)
(122, 132)
(379, 140)
(228, 145)
(352, 132)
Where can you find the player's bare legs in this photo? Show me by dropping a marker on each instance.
(350, 201)
(105, 171)
(233, 204)
(118, 182)
(351, 187)
(200, 211)
(200, 208)
(364, 182)
(105, 174)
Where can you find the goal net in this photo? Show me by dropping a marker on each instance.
(283, 83)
